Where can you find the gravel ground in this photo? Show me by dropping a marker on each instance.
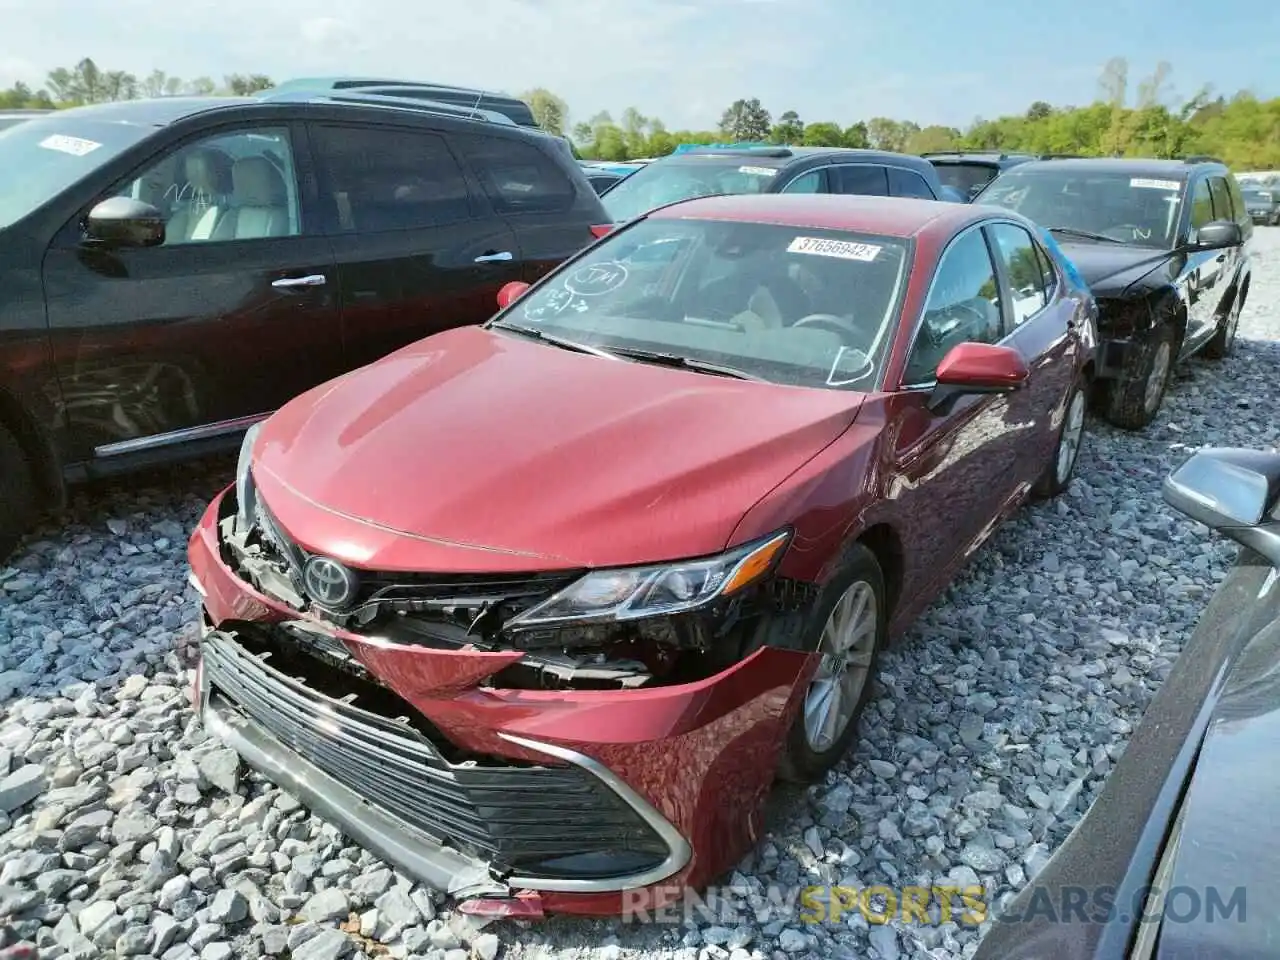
(123, 832)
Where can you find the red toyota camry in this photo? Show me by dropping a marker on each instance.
(537, 610)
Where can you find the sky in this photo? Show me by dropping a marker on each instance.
(683, 61)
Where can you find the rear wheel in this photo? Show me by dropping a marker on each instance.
(1224, 338)
(1133, 400)
(1062, 465)
(847, 627)
(18, 496)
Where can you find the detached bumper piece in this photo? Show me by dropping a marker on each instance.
(480, 826)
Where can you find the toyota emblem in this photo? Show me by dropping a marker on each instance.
(329, 583)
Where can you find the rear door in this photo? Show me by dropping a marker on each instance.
(193, 340)
(1208, 270)
(417, 248)
(550, 207)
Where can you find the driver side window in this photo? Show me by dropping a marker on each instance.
(1201, 206)
(963, 307)
(235, 186)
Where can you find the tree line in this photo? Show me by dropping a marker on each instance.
(1125, 119)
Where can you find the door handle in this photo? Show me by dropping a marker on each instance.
(502, 257)
(292, 283)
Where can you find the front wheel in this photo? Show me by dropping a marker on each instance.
(846, 627)
(18, 495)
(1224, 338)
(1062, 465)
(1133, 400)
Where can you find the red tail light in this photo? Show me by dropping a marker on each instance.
(601, 230)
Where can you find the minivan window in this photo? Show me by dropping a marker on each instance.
(517, 176)
(861, 179)
(908, 183)
(687, 176)
(808, 307)
(42, 157)
(377, 179)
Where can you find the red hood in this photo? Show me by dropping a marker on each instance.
(494, 452)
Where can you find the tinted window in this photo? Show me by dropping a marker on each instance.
(809, 307)
(602, 182)
(810, 182)
(235, 186)
(376, 179)
(963, 307)
(42, 157)
(1078, 200)
(968, 178)
(1221, 199)
(517, 176)
(907, 183)
(1201, 205)
(685, 176)
(1238, 204)
(865, 179)
(1020, 257)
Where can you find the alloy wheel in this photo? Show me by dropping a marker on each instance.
(1160, 364)
(847, 647)
(1072, 435)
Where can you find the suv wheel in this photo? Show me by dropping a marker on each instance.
(1134, 399)
(1224, 338)
(17, 492)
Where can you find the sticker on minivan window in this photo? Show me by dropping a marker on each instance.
(75, 146)
(759, 171)
(1147, 184)
(844, 249)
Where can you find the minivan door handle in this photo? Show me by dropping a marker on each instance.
(292, 283)
(495, 257)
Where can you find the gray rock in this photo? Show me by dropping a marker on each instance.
(485, 946)
(221, 769)
(228, 906)
(92, 918)
(331, 904)
(20, 787)
(326, 945)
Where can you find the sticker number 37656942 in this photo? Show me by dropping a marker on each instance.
(75, 146)
(844, 249)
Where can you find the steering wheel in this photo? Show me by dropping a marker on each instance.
(840, 326)
(938, 335)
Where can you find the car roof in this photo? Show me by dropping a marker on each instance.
(786, 155)
(887, 216)
(1136, 166)
(153, 112)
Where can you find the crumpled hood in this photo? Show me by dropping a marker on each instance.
(1110, 269)
(476, 449)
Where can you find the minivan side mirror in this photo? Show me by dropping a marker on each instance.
(511, 292)
(1234, 491)
(124, 222)
(976, 368)
(1217, 235)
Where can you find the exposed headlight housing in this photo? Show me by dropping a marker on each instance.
(246, 499)
(633, 593)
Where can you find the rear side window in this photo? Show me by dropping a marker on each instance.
(517, 176)
(865, 179)
(378, 179)
(908, 183)
(1238, 204)
(1221, 199)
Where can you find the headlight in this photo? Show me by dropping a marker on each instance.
(636, 592)
(245, 500)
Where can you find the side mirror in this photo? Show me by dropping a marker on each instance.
(511, 292)
(1218, 234)
(977, 368)
(1234, 491)
(125, 222)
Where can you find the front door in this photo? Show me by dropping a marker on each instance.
(1205, 273)
(193, 340)
(418, 251)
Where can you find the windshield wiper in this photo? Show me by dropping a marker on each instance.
(555, 341)
(685, 363)
(1084, 234)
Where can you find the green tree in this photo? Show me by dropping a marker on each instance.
(242, 85)
(855, 135)
(823, 135)
(549, 111)
(745, 120)
(788, 129)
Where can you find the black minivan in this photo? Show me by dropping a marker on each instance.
(173, 270)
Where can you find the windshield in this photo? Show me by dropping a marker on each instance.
(1137, 210)
(804, 307)
(43, 156)
(685, 177)
(968, 178)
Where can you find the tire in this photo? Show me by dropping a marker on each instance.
(1224, 338)
(1133, 400)
(18, 495)
(1066, 452)
(807, 756)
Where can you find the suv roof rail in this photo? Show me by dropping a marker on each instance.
(1201, 158)
(998, 154)
(1061, 156)
(440, 93)
(433, 107)
(748, 149)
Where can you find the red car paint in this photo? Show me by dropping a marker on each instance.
(474, 451)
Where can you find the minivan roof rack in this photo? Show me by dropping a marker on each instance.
(459, 97)
(432, 107)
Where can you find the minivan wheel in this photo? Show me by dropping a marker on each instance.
(846, 626)
(1066, 453)
(18, 496)
(1134, 399)
(1224, 338)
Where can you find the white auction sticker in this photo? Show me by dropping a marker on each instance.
(759, 171)
(72, 145)
(1148, 184)
(843, 249)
